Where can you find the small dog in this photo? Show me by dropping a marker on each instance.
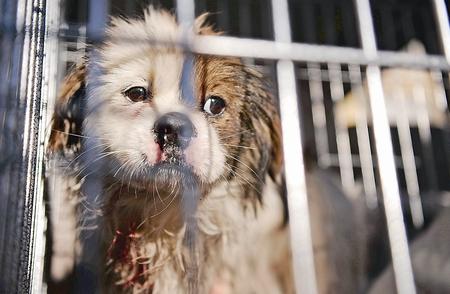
(155, 153)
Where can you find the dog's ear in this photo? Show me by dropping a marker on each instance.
(265, 116)
(202, 27)
(67, 121)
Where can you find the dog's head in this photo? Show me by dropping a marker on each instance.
(144, 129)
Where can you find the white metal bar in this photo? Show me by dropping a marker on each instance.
(97, 20)
(362, 137)
(48, 92)
(389, 184)
(301, 240)
(342, 134)
(439, 90)
(245, 47)
(242, 47)
(90, 257)
(186, 17)
(34, 101)
(396, 228)
(185, 12)
(318, 113)
(408, 159)
(424, 128)
(442, 20)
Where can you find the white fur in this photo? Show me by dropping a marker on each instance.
(246, 252)
(123, 125)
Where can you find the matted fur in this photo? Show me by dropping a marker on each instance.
(234, 163)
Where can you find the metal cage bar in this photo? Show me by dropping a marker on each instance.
(186, 17)
(301, 239)
(362, 132)
(401, 259)
(443, 25)
(243, 47)
(23, 253)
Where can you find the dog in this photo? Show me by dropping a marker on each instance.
(189, 191)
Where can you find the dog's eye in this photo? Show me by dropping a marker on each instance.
(214, 105)
(137, 94)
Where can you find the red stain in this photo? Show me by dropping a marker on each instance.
(119, 250)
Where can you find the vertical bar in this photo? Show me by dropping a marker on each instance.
(442, 20)
(362, 137)
(396, 228)
(408, 159)
(318, 113)
(439, 90)
(185, 13)
(32, 238)
(186, 17)
(97, 19)
(424, 127)
(342, 135)
(88, 270)
(301, 240)
(48, 92)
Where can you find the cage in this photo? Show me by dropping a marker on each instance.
(363, 89)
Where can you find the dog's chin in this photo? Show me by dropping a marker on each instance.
(173, 173)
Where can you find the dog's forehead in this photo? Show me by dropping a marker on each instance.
(165, 72)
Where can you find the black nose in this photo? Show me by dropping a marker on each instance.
(174, 129)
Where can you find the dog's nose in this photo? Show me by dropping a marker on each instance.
(174, 129)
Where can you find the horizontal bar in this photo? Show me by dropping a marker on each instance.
(245, 47)
(242, 47)
(332, 160)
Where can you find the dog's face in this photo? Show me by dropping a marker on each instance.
(146, 130)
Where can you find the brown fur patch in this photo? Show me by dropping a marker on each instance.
(68, 117)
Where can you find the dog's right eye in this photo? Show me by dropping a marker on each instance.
(137, 94)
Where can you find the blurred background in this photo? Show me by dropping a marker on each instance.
(41, 41)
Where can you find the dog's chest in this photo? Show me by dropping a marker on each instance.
(236, 244)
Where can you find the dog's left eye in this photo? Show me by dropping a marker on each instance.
(137, 94)
(214, 105)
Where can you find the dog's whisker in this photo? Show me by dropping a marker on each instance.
(81, 154)
(235, 134)
(122, 166)
(230, 169)
(90, 163)
(165, 208)
(159, 195)
(70, 134)
(240, 146)
(245, 165)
